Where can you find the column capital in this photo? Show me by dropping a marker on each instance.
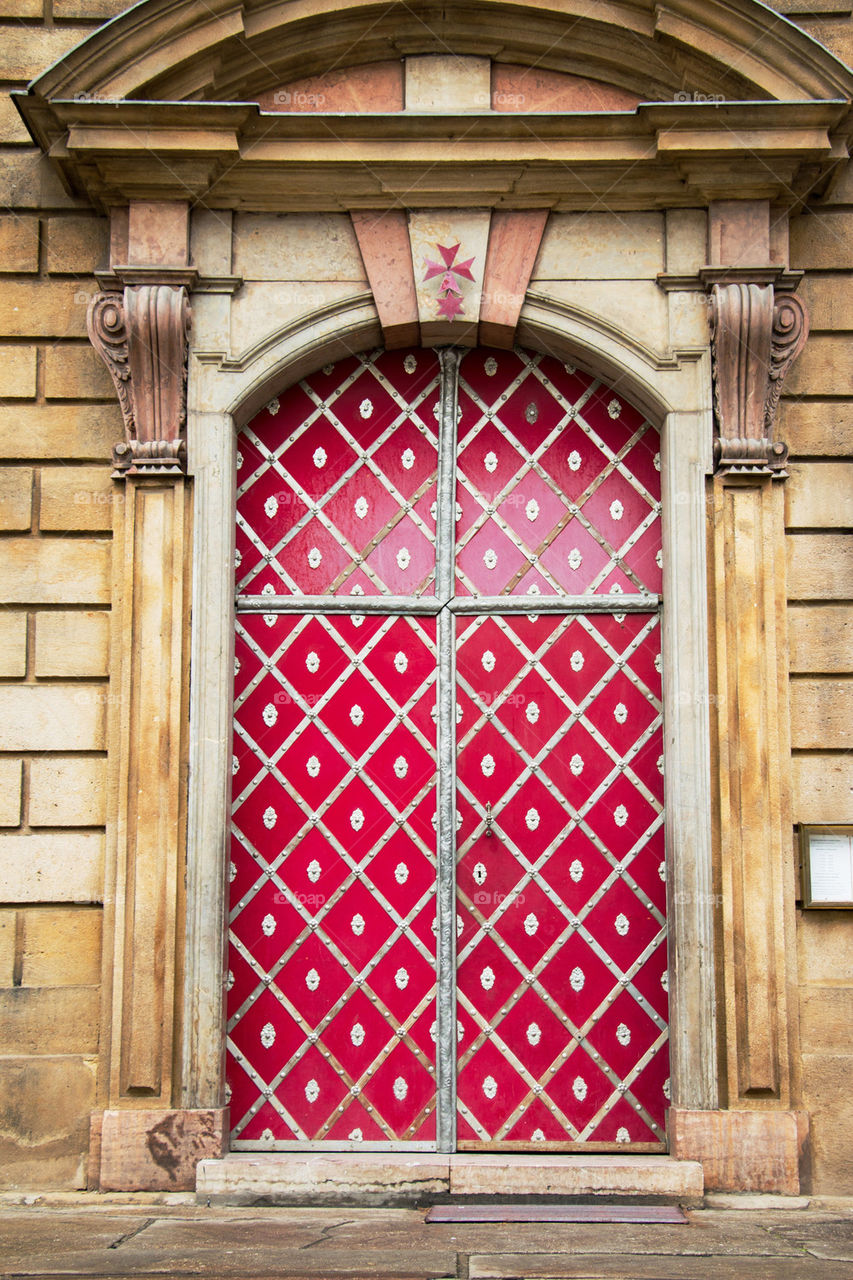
(756, 335)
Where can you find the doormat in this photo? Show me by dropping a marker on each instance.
(635, 1213)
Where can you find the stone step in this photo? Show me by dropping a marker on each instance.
(387, 1179)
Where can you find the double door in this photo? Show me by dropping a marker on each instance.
(447, 906)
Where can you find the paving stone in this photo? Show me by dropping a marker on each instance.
(546, 1267)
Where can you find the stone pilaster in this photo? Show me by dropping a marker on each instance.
(756, 337)
(141, 332)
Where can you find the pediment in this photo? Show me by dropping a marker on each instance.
(303, 104)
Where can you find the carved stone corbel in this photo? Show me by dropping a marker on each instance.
(141, 335)
(756, 336)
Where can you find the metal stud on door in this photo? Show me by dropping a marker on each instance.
(448, 653)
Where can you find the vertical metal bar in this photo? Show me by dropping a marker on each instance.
(446, 703)
(445, 532)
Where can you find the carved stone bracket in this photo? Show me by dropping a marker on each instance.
(141, 335)
(756, 336)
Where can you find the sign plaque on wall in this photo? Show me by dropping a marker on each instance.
(827, 861)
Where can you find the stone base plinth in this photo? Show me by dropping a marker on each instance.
(158, 1150)
(740, 1150)
(375, 1178)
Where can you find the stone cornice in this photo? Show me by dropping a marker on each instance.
(231, 155)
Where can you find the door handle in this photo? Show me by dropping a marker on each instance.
(488, 819)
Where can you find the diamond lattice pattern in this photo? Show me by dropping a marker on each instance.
(558, 482)
(561, 898)
(562, 970)
(331, 982)
(336, 482)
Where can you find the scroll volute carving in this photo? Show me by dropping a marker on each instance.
(141, 335)
(756, 336)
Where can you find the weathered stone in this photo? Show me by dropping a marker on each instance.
(61, 946)
(8, 945)
(72, 643)
(29, 181)
(52, 717)
(820, 638)
(158, 1150)
(44, 1120)
(307, 1178)
(75, 498)
(825, 947)
(383, 238)
(820, 566)
(514, 239)
(834, 32)
(574, 1175)
(294, 247)
(819, 495)
(76, 373)
(44, 309)
(280, 304)
(739, 1150)
(52, 867)
(686, 241)
(812, 427)
(49, 1020)
(597, 246)
(76, 244)
(442, 82)
(375, 86)
(71, 9)
(821, 714)
(13, 643)
(10, 792)
(17, 372)
(22, 57)
(520, 88)
(54, 431)
(826, 1015)
(19, 245)
(824, 369)
(16, 498)
(55, 571)
(821, 787)
(67, 791)
(12, 127)
(829, 1100)
(828, 297)
(739, 233)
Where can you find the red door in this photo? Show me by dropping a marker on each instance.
(447, 896)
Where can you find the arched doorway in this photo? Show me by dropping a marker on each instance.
(447, 878)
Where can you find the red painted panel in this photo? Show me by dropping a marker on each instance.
(332, 957)
(559, 482)
(336, 482)
(561, 893)
(561, 952)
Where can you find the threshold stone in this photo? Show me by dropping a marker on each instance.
(388, 1178)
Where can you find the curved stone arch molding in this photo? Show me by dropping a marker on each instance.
(173, 49)
(349, 324)
(674, 390)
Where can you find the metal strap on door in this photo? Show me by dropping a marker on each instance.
(393, 521)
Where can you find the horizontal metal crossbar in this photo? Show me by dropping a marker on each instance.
(459, 604)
